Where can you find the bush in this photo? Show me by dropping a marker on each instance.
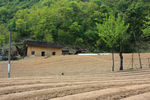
(0, 58)
(5, 58)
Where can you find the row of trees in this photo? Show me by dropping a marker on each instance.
(97, 25)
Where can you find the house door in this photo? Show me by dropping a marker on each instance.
(32, 52)
(53, 53)
(43, 53)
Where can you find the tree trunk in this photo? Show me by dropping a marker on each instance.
(113, 64)
(132, 59)
(121, 57)
(138, 52)
(140, 58)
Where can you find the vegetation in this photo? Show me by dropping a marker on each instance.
(71, 22)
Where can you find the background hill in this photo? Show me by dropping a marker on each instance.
(72, 23)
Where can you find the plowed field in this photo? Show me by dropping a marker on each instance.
(85, 78)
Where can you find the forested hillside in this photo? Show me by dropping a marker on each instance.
(97, 25)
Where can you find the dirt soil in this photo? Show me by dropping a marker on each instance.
(85, 78)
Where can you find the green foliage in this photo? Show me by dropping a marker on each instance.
(3, 34)
(112, 30)
(2, 38)
(73, 22)
(146, 30)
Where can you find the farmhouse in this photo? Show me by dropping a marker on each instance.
(43, 48)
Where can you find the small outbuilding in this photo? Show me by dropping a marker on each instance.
(43, 48)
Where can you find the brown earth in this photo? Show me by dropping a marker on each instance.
(85, 78)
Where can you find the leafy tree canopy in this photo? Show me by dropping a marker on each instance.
(74, 22)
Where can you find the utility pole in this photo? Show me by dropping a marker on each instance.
(9, 55)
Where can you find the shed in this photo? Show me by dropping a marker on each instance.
(43, 48)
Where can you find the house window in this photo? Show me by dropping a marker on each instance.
(32, 52)
(53, 53)
(42, 53)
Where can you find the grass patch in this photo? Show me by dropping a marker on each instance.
(47, 56)
(20, 58)
(131, 69)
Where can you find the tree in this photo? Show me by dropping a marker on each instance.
(112, 32)
(136, 16)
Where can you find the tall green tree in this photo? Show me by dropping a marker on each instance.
(112, 32)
